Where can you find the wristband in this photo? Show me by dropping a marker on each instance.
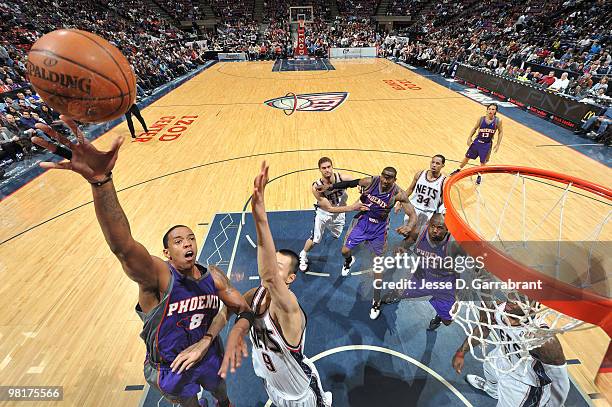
(109, 177)
(210, 336)
(460, 354)
(248, 315)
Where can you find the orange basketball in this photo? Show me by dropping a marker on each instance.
(81, 75)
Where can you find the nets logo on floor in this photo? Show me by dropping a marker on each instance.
(309, 102)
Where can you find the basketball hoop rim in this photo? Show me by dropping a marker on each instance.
(575, 302)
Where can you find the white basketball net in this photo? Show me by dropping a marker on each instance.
(537, 323)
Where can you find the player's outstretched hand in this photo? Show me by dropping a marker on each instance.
(404, 230)
(359, 206)
(235, 350)
(83, 158)
(191, 355)
(259, 185)
(458, 361)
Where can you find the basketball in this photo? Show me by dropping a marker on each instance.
(81, 75)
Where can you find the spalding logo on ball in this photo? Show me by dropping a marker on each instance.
(81, 75)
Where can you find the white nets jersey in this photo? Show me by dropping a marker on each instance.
(427, 195)
(337, 197)
(529, 371)
(283, 367)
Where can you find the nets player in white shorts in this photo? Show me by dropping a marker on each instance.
(539, 380)
(329, 208)
(426, 191)
(279, 330)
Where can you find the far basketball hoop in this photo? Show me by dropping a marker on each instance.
(303, 13)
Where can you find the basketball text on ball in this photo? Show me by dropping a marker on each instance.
(67, 81)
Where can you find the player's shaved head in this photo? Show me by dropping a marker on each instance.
(437, 218)
(389, 172)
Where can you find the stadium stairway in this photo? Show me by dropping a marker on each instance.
(207, 8)
(382, 8)
(258, 10)
(154, 6)
(333, 9)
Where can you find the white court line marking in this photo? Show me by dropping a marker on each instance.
(251, 241)
(313, 273)
(253, 277)
(36, 369)
(5, 362)
(357, 273)
(231, 263)
(392, 353)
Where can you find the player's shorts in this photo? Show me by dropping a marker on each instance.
(441, 300)
(511, 392)
(479, 149)
(313, 397)
(334, 222)
(560, 385)
(371, 231)
(176, 387)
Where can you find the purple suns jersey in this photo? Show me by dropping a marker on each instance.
(486, 130)
(380, 203)
(182, 317)
(432, 263)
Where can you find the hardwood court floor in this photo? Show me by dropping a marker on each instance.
(67, 309)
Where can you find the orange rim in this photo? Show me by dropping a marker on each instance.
(575, 302)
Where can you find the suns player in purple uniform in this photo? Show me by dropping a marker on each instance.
(178, 299)
(481, 147)
(433, 246)
(379, 195)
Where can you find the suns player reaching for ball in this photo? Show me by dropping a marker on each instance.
(485, 129)
(426, 193)
(178, 299)
(541, 379)
(330, 208)
(279, 331)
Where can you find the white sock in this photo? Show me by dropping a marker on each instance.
(303, 254)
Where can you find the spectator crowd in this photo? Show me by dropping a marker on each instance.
(560, 45)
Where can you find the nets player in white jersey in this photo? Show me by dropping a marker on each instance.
(330, 208)
(539, 380)
(278, 333)
(427, 198)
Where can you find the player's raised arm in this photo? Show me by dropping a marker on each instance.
(267, 263)
(362, 182)
(96, 166)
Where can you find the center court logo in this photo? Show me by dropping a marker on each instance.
(309, 102)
